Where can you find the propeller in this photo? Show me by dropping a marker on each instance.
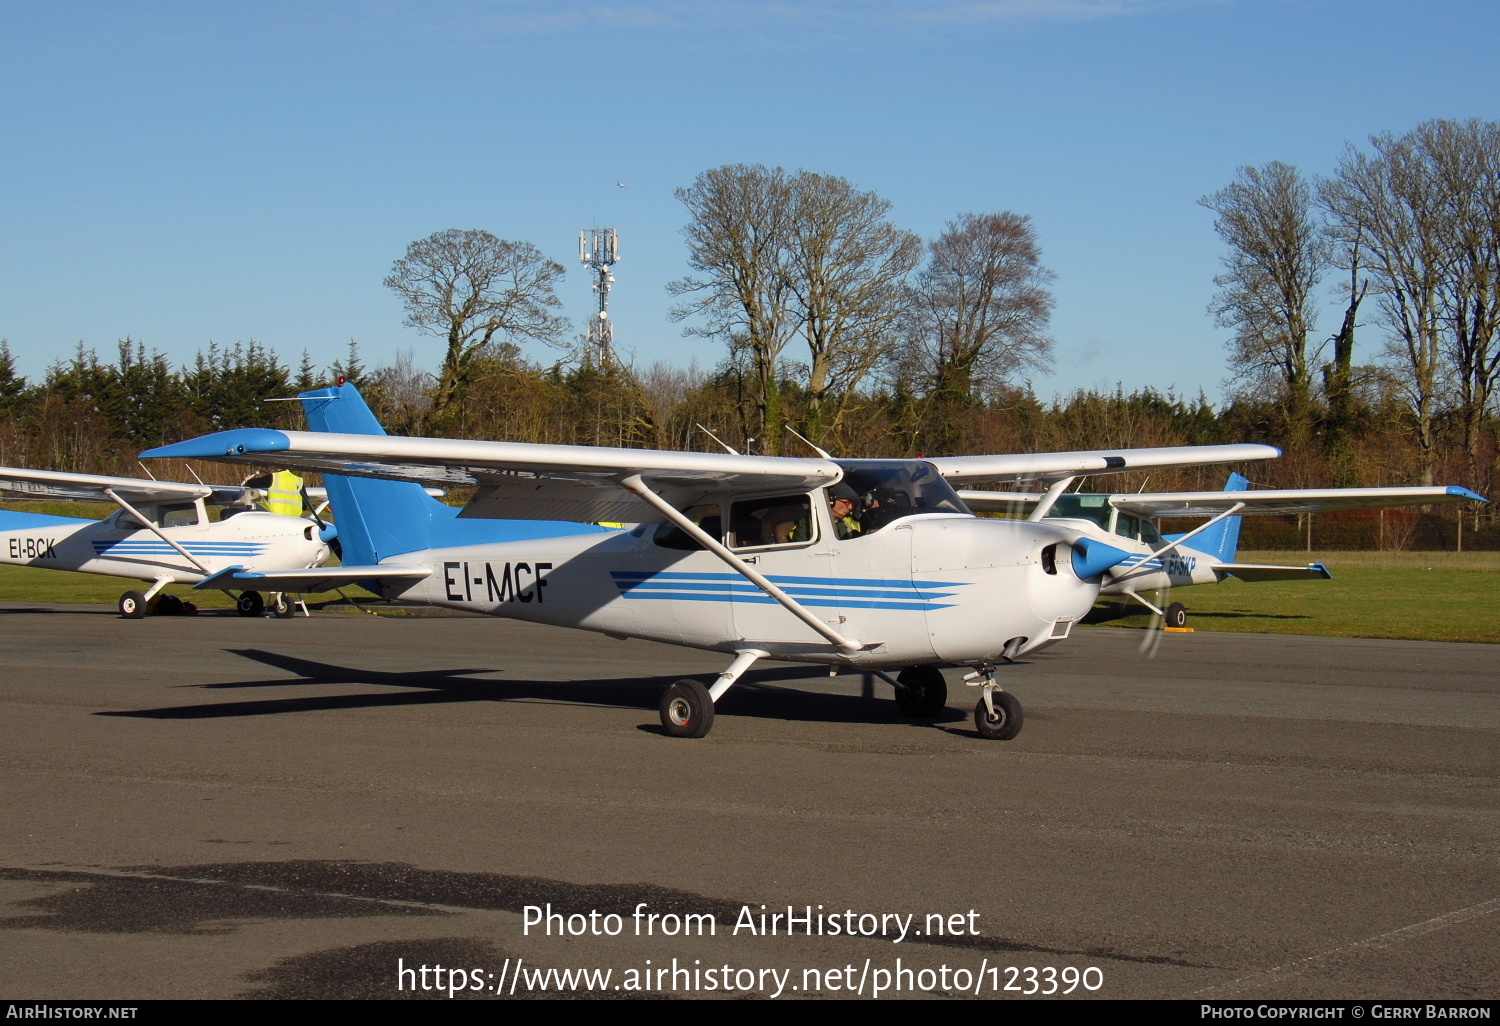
(327, 531)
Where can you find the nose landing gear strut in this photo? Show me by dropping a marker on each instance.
(998, 715)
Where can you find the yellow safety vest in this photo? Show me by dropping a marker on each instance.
(285, 494)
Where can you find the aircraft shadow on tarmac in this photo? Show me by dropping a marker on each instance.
(1113, 613)
(757, 694)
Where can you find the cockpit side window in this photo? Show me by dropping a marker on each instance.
(183, 514)
(1134, 527)
(778, 520)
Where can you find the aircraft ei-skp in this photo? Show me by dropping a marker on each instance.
(1156, 562)
(163, 533)
(731, 553)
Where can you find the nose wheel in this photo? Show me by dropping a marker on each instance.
(998, 715)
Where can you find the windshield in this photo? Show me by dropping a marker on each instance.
(891, 489)
(1094, 508)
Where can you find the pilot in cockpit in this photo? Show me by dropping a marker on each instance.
(843, 503)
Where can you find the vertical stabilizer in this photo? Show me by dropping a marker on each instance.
(1223, 539)
(380, 519)
(376, 519)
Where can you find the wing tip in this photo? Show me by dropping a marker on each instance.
(224, 443)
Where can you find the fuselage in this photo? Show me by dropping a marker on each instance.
(936, 587)
(120, 546)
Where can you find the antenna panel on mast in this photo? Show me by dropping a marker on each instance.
(598, 250)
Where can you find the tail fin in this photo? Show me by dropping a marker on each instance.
(379, 519)
(1223, 539)
(376, 519)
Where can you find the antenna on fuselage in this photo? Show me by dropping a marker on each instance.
(727, 447)
(815, 448)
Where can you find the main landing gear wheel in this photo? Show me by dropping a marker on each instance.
(1175, 615)
(282, 607)
(687, 709)
(1005, 724)
(250, 604)
(925, 692)
(133, 605)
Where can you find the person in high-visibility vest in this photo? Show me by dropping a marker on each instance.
(284, 495)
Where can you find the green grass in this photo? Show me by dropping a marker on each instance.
(1431, 596)
(32, 584)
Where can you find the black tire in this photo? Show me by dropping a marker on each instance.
(282, 607)
(1007, 721)
(133, 605)
(250, 604)
(1175, 616)
(167, 605)
(687, 709)
(925, 692)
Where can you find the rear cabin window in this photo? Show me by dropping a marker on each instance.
(670, 536)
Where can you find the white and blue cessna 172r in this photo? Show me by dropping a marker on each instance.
(162, 533)
(1158, 562)
(736, 554)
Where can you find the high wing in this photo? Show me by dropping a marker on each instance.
(515, 480)
(1270, 501)
(1285, 501)
(50, 484)
(1057, 466)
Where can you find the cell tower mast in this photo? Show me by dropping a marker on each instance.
(599, 249)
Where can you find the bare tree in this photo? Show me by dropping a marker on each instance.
(469, 287)
(737, 240)
(1464, 158)
(1277, 255)
(981, 305)
(1389, 203)
(847, 267)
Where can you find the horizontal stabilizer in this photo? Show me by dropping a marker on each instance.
(1258, 572)
(323, 578)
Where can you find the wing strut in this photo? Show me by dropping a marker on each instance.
(1140, 567)
(1054, 492)
(128, 508)
(745, 570)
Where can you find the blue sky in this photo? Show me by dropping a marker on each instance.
(185, 172)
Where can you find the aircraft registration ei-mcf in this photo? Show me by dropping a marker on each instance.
(730, 553)
(162, 533)
(1156, 562)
